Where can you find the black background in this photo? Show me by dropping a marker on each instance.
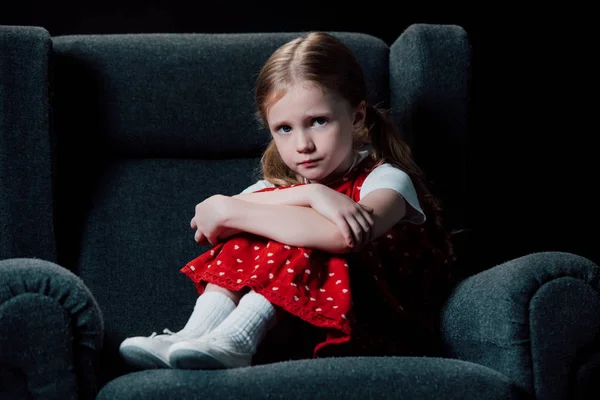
(533, 166)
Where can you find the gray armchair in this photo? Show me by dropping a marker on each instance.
(108, 141)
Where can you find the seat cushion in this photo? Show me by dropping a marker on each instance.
(326, 378)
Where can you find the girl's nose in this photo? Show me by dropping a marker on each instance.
(304, 143)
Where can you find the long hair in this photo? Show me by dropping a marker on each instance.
(320, 58)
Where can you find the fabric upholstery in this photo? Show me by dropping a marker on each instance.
(529, 318)
(36, 343)
(564, 328)
(430, 76)
(200, 101)
(50, 332)
(26, 204)
(351, 378)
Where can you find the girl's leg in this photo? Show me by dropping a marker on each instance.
(234, 296)
(233, 342)
(211, 308)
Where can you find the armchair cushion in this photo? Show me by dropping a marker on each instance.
(332, 378)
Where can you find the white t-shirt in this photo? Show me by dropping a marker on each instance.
(385, 176)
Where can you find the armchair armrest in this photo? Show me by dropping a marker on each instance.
(51, 332)
(536, 319)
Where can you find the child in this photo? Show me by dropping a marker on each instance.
(343, 213)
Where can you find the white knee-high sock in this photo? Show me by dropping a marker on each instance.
(210, 310)
(244, 329)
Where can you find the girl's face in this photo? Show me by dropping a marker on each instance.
(312, 129)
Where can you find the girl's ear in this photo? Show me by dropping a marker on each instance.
(360, 115)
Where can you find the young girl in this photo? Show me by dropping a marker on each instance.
(342, 232)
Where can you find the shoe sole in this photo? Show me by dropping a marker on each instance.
(142, 359)
(194, 359)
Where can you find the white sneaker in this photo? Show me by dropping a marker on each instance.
(205, 354)
(149, 352)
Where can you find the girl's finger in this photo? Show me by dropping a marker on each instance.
(200, 238)
(367, 214)
(345, 229)
(369, 209)
(203, 239)
(366, 228)
(193, 223)
(356, 230)
(212, 240)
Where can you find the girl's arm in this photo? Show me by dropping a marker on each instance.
(389, 207)
(326, 224)
(293, 196)
(351, 218)
(293, 225)
(305, 227)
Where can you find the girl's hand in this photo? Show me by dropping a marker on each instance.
(209, 221)
(353, 219)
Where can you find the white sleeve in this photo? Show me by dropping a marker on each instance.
(389, 177)
(262, 184)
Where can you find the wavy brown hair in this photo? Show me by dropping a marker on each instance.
(322, 59)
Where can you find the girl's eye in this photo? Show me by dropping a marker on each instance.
(320, 121)
(284, 129)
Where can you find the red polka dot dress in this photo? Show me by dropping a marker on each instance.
(311, 284)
